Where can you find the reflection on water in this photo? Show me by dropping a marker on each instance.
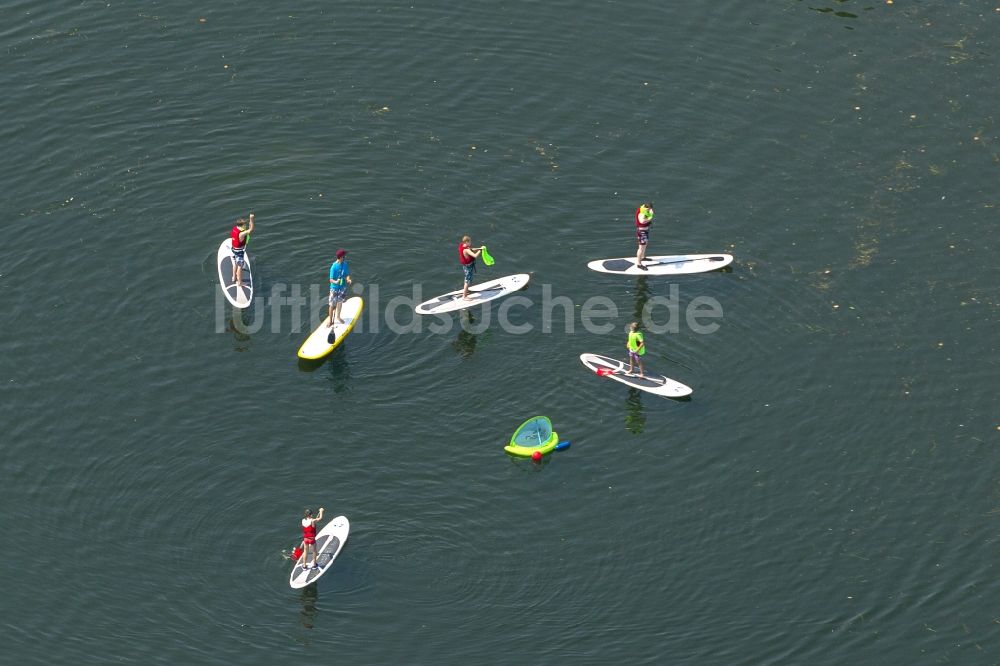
(635, 419)
(308, 597)
(237, 325)
(468, 334)
(464, 344)
(836, 12)
(340, 369)
(642, 293)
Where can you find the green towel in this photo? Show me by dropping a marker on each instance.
(487, 259)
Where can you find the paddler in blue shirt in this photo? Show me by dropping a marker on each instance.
(340, 277)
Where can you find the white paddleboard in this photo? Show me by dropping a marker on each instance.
(239, 295)
(324, 340)
(651, 383)
(329, 541)
(478, 294)
(667, 264)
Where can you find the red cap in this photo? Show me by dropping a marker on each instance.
(341, 254)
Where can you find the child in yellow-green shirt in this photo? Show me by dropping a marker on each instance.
(636, 348)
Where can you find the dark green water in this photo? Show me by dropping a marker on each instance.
(829, 495)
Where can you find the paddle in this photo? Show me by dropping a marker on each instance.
(487, 259)
(670, 360)
(605, 372)
(472, 292)
(234, 285)
(681, 261)
(246, 241)
(332, 337)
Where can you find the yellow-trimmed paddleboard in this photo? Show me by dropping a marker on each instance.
(320, 342)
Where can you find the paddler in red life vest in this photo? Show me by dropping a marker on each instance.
(467, 256)
(643, 220)
(239, 234)
(309, 537)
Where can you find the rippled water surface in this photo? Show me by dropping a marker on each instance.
(829, 494)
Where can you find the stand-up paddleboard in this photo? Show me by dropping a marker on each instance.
(478, 294)
(329, 541)
(240, 295)
(325, 339)
(651, 383)
(668, 264)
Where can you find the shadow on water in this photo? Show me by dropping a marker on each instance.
(311, 365)
(340, 369)
(635, 419)
(527, 464)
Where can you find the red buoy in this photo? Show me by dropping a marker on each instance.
(536, 455)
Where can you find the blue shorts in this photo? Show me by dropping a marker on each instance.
(337, 296)
(238, 258)
(470, 271)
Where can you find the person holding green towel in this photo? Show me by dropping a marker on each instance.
(636, 347)
(643, 220)
(467, 256)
